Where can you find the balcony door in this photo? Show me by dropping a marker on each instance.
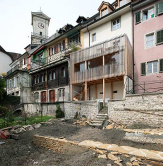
(43, 97)
(52, 95)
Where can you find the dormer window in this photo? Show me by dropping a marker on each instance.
(104, 12)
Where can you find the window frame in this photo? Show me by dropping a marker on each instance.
(154, 39)
(93, 37)
(105, 10)
(116, 23)
(146, 9)
(152, 67)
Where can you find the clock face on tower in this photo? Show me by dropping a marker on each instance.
(41, 25)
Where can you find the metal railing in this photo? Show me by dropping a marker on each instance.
(38, 35)
(13, 69)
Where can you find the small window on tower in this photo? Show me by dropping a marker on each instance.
(40, 33)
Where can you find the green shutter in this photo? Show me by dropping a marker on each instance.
(159, 35)
(143, 69)
(137, 18)
(159, 8)
(161, 65)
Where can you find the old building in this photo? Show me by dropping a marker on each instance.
(102, 69)
(6, 59)
(148, 48)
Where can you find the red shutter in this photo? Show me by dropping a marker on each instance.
(43, 97)
(52, 95)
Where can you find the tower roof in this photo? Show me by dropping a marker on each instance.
(40, 14)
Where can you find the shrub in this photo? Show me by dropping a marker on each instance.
(59, 112)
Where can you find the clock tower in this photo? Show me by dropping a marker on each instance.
(40, 23)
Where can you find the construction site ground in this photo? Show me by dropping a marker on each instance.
(23, 152)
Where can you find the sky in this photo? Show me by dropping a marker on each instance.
(15, 17)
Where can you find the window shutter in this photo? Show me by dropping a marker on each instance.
(138, 17)
(161, 65)
(159, 8)
(159, 36)
(143, 69)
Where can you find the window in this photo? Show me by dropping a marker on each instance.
(35, 81)
(94, 37)
(56, 49)
(40, 33)
(63, 92)
(148, 14)
(159, 8)
(150, 40)
(116, 24)
(152, 67)
(42, 78)
(25, 61)
(121, 3)
(125, 2)
(62, 45)
(52, 50)
(82, 66)
(53, 75)
(104, 12)
(50, 76)
(38, 79)
(159, 35)
(59, 90)
(63, 72)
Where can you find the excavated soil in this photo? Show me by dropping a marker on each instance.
(23, 152)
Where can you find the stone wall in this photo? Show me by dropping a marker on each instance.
(145, 109)
(89, 109)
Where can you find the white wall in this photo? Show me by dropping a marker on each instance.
(104, 32)
(5, 60)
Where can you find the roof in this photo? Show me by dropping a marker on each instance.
(105, 3)
(12, 55)
(40, 14)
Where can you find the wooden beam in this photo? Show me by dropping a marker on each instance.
(71, 97)
(86, 91)
(95, 91)
(103, 91)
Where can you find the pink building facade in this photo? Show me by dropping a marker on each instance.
(148, 46)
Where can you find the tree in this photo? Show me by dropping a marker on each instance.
(2, 87)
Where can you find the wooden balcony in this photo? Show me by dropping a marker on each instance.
(100, 72)
(109, 66)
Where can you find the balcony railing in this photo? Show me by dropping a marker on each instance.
(38, 35)
(13, 69)
(39, 86)
(100, 72)
(107, 47)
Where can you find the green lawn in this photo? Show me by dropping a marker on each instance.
(21, 121)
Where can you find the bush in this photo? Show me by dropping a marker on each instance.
(59, 112)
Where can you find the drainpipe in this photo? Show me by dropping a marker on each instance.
(133, 64)
(89, 36)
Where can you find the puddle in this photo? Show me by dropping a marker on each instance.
(137, 134)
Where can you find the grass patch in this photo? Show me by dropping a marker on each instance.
(21, 121)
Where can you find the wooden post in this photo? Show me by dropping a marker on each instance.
(85, 91)
(103, 91)
(71, 97)
(96, 91)
(124, 85)
(111, 87)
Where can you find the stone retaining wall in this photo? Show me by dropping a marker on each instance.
(89, 109)
(145, 109)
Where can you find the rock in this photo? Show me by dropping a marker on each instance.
(36, 126)
(84, 119)
(48, 123)
(19, 130)
(63, 120)
(112, 157)
(1, 143)
(28, 127)
(16, 127)
(109, 127)
(128, 164)
(102, 156)
(114, 153)
(116, 162)
(135, 163)
(133, 159)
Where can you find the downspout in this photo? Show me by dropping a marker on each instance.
(133, 64)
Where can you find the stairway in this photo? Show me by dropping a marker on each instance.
(101, 118)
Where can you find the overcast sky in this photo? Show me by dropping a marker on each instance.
(15, 17)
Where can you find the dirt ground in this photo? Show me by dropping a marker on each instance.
(23, 152)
